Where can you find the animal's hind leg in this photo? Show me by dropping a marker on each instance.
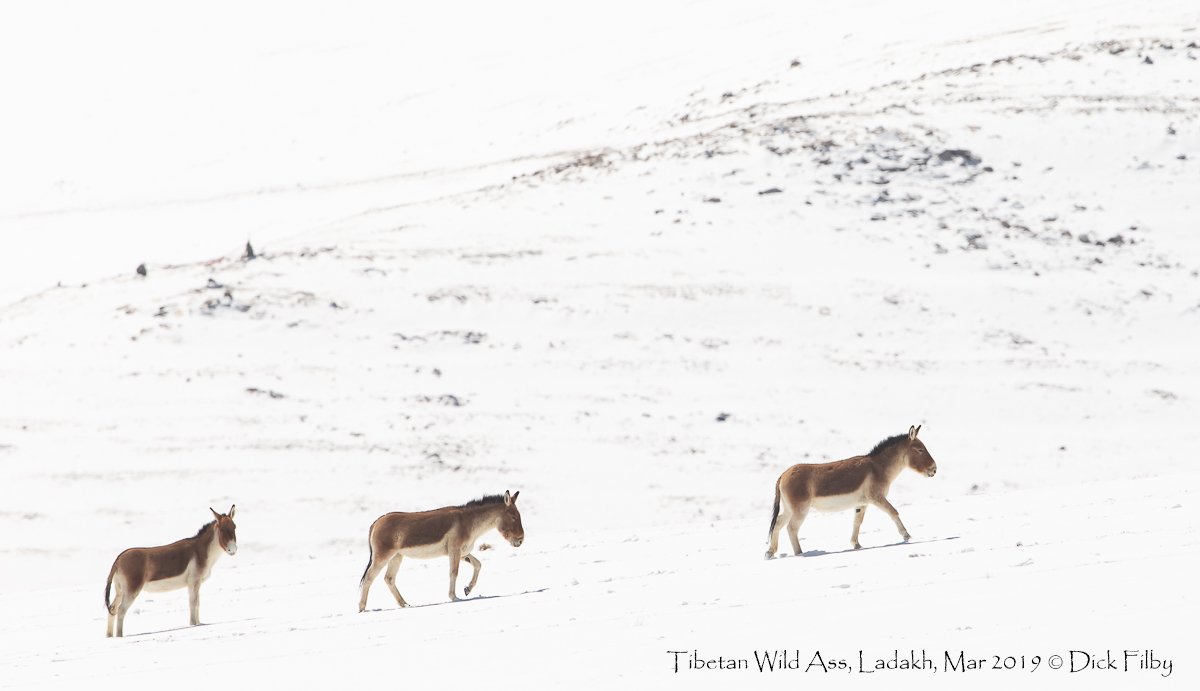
(377, 563)
(470, 559)
(454, 550)
(793, 527)
(773, 538)
(890, 510)
(859, 513)
(118, 593)
(390, 578)
(126, 602)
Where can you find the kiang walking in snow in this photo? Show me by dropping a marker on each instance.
(183, 564)
(450, 531)
(850, 483)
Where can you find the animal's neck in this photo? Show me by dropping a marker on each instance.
(482, 519)
(893, 462)
(208, 542)
(214, 547)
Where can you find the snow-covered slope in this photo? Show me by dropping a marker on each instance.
(633, 265)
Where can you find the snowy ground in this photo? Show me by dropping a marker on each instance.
(633, 265)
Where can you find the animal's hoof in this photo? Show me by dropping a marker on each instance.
(467, 590)
(857, 546)
(907, 538)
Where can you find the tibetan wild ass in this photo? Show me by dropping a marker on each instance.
(450, 531)
(183, 564)
(853, 482)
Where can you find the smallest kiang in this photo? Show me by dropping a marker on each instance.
(453, 531)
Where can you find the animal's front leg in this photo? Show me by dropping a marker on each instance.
(890, 510)
(194, 603)
(470, 559)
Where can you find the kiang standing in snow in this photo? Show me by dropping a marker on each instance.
(850, 483)
(183, 564)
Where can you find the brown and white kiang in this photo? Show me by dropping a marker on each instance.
(450, 531)
(186, 563)
(850, 483)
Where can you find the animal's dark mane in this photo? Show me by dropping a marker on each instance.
(887, 442)
(487, 500)
(203, 528)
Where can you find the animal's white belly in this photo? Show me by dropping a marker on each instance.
(430, 551)
(839, 502)
(173, 583)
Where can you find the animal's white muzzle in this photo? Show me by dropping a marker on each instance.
(231, 548)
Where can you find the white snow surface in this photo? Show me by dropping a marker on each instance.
(633, 260)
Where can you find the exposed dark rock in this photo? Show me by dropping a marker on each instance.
(962, 156)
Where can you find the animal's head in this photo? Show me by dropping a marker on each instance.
(226, 530)
(510, 521)
(919, 458)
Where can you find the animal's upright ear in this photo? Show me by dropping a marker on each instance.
(215, 514)
(508, 498)
(916, 431)
(912, 432)
(232, 509)
(515, 495)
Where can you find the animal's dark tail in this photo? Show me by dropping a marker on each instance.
(369, 560)
(774, 512)
(107, 586)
